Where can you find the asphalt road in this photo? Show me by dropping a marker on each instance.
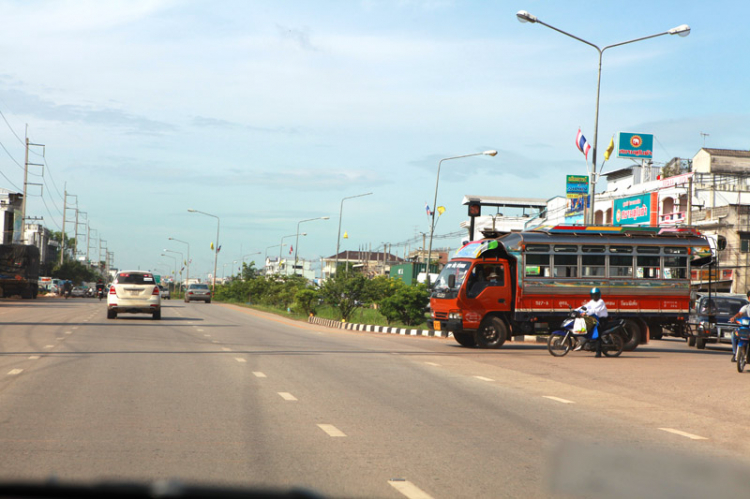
(225, 395)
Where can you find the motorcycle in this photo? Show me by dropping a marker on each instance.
(743, 343)
(100, 293)
(571, 334)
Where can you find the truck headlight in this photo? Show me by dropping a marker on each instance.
(455, 315)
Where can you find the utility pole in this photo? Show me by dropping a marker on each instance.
(65, 207)
(26, 183)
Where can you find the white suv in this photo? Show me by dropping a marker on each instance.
(134, 292)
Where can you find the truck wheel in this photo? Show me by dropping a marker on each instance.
(700, 343)
(465, 339)
(492, 333)
(632, 335)
(691, 341)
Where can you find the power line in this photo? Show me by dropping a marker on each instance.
(50, 213)
(10, 181)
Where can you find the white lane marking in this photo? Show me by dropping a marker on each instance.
(287, 396)
(683, 434)
(240, 360)
(200, 330)
(226, 349)
(558, 399)
(68, 332)
(33, 357)
(49, 346)
(331, 430)
(259, 374)
(432, 364)
(409, 489)
(75, 327)
(60, 339)
(483, 378)
(13, 372)
(214, 341)
(207, 335)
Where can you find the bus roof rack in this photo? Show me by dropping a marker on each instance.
(623, 230)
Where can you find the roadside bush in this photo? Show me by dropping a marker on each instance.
(306, 301)
(406, 305)
(345, 292)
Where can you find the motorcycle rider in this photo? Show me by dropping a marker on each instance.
(597, 309)
(100, 288)
(744, 312)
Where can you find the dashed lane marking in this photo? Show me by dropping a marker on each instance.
(14, 372)
(331, 430)
(214, 341)
(287, 396)
(60, 339)
(200, 330)
(558, 399)
(259, 374)
(49, 346)
(432, 364)
(483, 378)
(240, 360)
(68, 332)
(207, 335)
(226, 349)
(408, 489)
(34, 357)
(683, 434)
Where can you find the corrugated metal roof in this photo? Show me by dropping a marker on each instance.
(734, 153)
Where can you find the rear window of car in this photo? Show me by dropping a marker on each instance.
(199, 286)
(135, 278)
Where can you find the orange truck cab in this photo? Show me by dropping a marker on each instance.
(497, 288)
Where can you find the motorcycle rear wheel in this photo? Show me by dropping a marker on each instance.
(741, 359)
(612, 345)
(559, 345)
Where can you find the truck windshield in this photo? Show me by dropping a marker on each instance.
(452, 268)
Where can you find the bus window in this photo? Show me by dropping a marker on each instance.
(537, 248)
(620, 265)
(559, 248)
(592, 265)
(675, 267)
(566, 265)
(651, 250)
(647, 267)
(675, 251)
(537, 265)
(620, 249)
(593, 249)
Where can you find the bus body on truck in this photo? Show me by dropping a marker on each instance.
(496, 288)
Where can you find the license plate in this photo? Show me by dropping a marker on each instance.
(436, 325)
(134, 292)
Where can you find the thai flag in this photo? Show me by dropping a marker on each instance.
(427, 209)
(582, 145)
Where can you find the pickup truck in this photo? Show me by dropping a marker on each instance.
(165, 293)
(702, 331)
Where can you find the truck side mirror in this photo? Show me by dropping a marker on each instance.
(451, 281)
(721, 243)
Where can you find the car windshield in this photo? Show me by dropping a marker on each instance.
(723, 306)
(135, 278)
(457, 269)
(199, 286)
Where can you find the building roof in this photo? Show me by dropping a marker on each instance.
(507, 202)
(372, 256)
(734, 153)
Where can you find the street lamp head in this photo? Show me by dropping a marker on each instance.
(490, 153)
(682, 30)
(524, 17)
(324, 218)
(303, 233)
(191, 210)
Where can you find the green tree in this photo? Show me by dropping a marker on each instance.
(406, 305)
(345, 292)
(75, 271)
(249, 271)
(306, 300)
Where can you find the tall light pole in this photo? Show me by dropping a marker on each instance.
(182, 258)
(434, 203)
(296, 243)
(216, 248)
(175, 263)
(280, 248)
(187, 279)
(682, 30)
(338, 238)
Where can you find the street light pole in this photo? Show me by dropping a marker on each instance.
(682, 30)
(434, 203)
(187, 278)
(216, 249)
(281, 246)
(296, 243)
(182, 258)
(175, 263)
(338, 238)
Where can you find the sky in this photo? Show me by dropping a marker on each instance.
(269, 112)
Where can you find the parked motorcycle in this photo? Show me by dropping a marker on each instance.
(743, 343)
(571, 334)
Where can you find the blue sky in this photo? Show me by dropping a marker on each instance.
(266, 113)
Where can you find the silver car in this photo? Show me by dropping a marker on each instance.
(198, 292)
(134, 292)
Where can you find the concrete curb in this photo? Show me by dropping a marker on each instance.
(379, 329)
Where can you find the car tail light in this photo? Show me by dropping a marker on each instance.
(156, 291)
(112, 291)
(190, 292)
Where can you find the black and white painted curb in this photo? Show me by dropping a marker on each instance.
(379, 329)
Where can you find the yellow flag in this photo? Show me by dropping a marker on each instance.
(610, 148)
(212, 245)
(346, 235)
(441, 210)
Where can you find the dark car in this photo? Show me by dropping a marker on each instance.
(198, 292)
(723, 306)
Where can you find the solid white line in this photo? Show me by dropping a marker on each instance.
(331, 430)
(33, 357)
(259, 374)
(287, 396)
(240, 360)
(683, 434)
(409, 489)
(13, 372)
(483, 378)
(558, 399)
(431, 364)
